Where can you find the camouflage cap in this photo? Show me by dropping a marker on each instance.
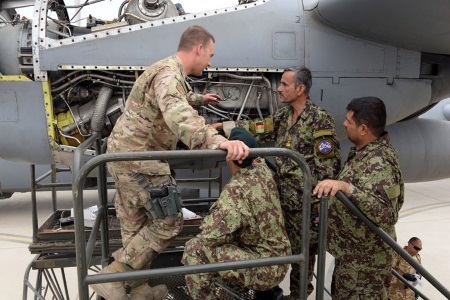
(240, 134)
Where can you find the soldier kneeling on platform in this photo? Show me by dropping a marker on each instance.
(246, 222)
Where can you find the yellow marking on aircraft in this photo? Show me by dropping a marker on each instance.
(419, 209)
(48, 102)
(14, 78)
(15, 238)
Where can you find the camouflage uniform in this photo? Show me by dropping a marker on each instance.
(157, 114)
(246, 222)
(363, 260)
(313, 136)
(397, 290)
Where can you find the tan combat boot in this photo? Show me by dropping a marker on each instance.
(145, 292)
(111, 290)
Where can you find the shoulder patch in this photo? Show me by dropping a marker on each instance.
(324, 146)
(181, 89)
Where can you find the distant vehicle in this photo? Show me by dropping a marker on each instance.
(61, 78)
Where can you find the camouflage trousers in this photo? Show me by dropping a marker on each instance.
(142, 235)
(349, 283)
(201, 286)
(293, 220)
(397, 291)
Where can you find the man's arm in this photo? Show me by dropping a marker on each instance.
(197, 100)
(375, 199)
(378, 198)
(184, 121)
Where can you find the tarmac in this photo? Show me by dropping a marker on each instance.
(425, 214)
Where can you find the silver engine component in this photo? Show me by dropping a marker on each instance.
(138, 11)
(5, 17)
(244, 96)
(15, 55)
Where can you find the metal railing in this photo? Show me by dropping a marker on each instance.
(84, 254)
(384, 236)
(321, 250)
(406, 283)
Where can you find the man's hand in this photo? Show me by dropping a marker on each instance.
(330, 187)
(237, 150)
(212, 99)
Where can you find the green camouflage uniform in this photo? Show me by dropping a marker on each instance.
(246, 222)
(313, 136)
(157, 115)
(363, 260)
(397, 290)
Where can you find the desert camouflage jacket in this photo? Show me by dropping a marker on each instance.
(158, 113)
(397, 289)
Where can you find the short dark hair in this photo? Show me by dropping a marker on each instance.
(193, 36)
(370, 111)
(302, 76)
(414, 239)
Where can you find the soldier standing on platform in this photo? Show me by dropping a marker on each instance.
(372, 180)
(157, 115)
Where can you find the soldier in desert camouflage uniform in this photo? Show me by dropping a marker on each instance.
(372, 180)
(397, 289)
(157, 115)
(309, 130)
(246, 222)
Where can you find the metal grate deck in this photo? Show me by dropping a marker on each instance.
(178, 290)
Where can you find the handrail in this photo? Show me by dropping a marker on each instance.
(321, 251)
(79, 152)
(77, 191)
(393, 244)
(183, 270)
(405, 282)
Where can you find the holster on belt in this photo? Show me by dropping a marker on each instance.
(161, 203)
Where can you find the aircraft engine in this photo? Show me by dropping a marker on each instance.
(78, 94)
(138, 11)
(75, 124)
(244, 96)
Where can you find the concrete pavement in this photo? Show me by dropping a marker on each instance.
(425, 214)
